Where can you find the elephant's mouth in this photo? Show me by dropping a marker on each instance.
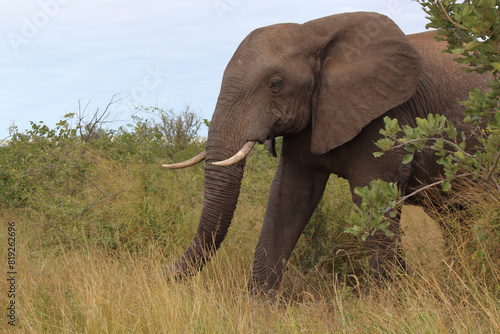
(271, 146)
(270, 143)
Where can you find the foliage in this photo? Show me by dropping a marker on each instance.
(141, 139)
(99, 219)
(68, 174)
(163, 135)
(38, 157)
(472, 30)
(438, 134)
(178, 130)
(206, 122)
(376, 210)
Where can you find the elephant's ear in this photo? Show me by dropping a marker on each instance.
(365, 67)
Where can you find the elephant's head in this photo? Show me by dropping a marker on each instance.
(331, 76)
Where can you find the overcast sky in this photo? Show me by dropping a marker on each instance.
(165, 53)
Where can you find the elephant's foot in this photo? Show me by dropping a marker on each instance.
(261, 289)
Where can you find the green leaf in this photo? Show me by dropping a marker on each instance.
(378, 154)
(491, 3)
(467, 10)
(459, 155)
(446, 185)
(496, 66)
(407, 158)
(458, 51)
(474, 45)
(385, 144)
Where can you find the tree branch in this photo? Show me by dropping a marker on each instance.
(491, 175)
(435, 139)
(102, 200)
(458, 26)
(495, 163)
(402, 199)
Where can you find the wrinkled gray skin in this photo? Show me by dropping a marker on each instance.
(324, 86)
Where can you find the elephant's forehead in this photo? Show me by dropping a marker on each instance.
(250, 69)
(253, 62)
(254, 68)
(264, 44)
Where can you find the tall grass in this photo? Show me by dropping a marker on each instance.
(89, 251)
(87, 290)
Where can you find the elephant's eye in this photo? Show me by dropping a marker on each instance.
(276, 85)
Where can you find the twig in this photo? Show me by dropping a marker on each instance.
(495, 182)
(402, 199)
(102, 200)
(93, 184)
(494, 166)
(490, 175)
(449, 18)
(455, 145)
(98, 119)
(81, 116)
(38, 170)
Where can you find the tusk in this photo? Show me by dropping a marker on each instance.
(245, 150)
(188, 163)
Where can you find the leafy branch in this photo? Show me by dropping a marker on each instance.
(439, 135)
(377, 208)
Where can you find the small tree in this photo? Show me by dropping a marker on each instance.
(472, 30)
(93, 126)
(178, 129)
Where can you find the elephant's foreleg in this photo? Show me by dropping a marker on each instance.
(295, 194)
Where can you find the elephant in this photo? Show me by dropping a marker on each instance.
(325, 87)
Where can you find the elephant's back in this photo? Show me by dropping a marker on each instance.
(441, 64)
(432, 53)
(443, 80)
(423, 37)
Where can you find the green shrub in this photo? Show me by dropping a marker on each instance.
(97, 186)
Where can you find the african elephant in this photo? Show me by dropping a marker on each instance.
(324, 86)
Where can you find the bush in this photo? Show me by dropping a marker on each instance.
(93, 185)
(43, 161)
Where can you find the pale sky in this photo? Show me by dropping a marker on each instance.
(164, 53)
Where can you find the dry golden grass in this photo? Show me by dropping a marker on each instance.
(85, 283)
(87, 290)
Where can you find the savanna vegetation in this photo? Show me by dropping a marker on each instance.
(96, 217)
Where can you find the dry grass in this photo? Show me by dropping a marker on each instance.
(85, 287)
(88, 291)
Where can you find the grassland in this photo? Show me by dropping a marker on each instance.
(94, 223)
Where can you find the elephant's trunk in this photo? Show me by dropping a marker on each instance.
(222, 188)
